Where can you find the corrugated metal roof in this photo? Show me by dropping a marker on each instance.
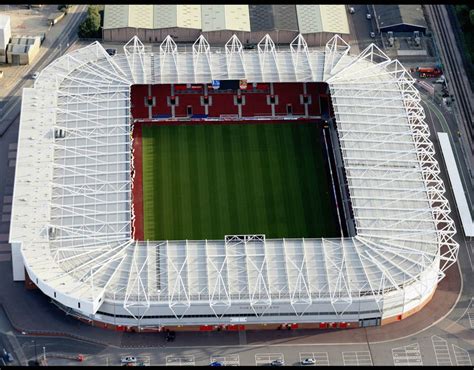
(309, 18)
(322, 18)
(115, 16)
(152, 16)
(305, 18)
(273, 17)
(391, 15)
(140, 16)
(334, 19)
(225, 17)
(184, 16)
(4, 20)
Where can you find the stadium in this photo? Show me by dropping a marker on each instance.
(212, 188)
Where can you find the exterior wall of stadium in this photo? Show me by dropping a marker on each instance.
(71, 214)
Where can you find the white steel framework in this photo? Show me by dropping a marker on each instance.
(72, 211)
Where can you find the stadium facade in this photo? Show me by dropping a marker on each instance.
(72, 214)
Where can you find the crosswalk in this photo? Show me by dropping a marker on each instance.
(441, 349)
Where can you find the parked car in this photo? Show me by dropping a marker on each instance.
(351, 10)
(128, 360)
(277, 363)
(7, 356)
(35, 75)
(369, 16)
(216, 363)
(308, 361)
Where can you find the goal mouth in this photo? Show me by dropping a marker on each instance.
(208, 163)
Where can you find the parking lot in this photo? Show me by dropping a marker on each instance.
(407, 355)
(180, 360)
(265, 359)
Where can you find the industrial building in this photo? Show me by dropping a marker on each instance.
(152, 23)
(5, 35)
(72, 216)
(400, 18)
(22, 50)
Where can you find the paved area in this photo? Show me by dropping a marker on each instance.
(357, 358)
(462, 356)
(407, 355)
(180, 360)
(441, 348)
(229, 360)
(265, 359)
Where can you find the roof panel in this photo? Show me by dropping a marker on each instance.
(391, 15)
(322, 18)
(115, 16)
(140, 16)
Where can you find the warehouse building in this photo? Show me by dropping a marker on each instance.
(400, 18)
(23, 50)
(5, 35)
(184, 23)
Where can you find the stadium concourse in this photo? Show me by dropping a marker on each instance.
(72, 216)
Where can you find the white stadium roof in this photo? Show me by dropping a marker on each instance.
(71, 215)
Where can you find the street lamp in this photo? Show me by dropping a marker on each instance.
(36, 354)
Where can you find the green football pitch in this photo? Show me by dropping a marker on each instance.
(208, 181)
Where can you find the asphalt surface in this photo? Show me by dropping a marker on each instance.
(67, 36)
(458, 84)
(416, 340)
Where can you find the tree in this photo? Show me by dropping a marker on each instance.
(91, 25)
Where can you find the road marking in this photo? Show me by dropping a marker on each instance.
(322, 358)
(441, 349)
(228, 360)
(264, 359)
(471, 319)
(462, 356)
(186, 360)
(407, 355)
(357, 358)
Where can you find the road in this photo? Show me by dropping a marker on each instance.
(361, 27)
(457, 82)
(11, 108)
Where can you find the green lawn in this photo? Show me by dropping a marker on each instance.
(206, 181)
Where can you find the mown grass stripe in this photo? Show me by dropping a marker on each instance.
(195, 200)
(257, 144)
(185, 184)
(231, 166)
(203, 178)
(222, 196)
